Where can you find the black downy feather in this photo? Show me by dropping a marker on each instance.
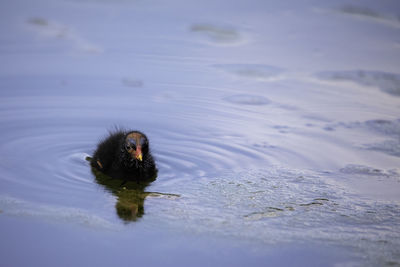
(112, 158)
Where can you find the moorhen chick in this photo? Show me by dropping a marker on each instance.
(125, 155)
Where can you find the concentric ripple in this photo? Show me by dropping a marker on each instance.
(47, 163)
(46, 147)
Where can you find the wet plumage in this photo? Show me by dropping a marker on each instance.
(125, 155)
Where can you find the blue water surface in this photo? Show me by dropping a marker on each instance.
(275, 128)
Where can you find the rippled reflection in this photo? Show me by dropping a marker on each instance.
(130, 195)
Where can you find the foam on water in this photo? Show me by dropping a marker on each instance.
(388, 129)
(55, 30)
(387, 82)
(281, 205)
(368, 14)
(367, 171)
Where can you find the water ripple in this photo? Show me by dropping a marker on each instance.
(46, 147)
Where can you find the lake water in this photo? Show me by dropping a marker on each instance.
(275, 128)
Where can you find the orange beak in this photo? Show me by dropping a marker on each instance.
(138, 153)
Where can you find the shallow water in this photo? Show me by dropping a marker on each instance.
(275, 129)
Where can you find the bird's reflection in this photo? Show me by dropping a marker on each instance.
(130, 194)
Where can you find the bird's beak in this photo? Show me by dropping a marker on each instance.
(138, 153)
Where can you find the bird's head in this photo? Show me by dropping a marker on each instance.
(136, 144)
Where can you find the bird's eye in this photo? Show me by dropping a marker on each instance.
(129, 147)
(130, 144)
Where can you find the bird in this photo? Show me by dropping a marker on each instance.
(125, 155)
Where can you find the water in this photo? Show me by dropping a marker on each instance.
(275, 128)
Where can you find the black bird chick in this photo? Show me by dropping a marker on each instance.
(125, 155)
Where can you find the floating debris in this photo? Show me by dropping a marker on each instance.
(257, 72)
(132, 83)
(217, 34)
(38, 21)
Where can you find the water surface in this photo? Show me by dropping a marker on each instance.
(275, 129)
